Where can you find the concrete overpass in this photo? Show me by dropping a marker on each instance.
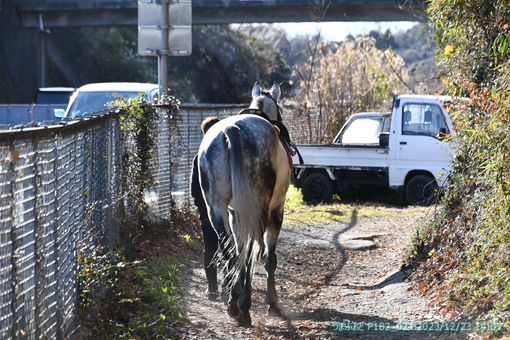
(23, 25)
(124, 12)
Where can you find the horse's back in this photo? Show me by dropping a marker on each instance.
(258, 141)
(259, 155)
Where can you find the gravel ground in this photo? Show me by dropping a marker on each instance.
(335, 281)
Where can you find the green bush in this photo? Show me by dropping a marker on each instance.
(467, 244)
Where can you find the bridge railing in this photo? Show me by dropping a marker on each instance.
(60, 199)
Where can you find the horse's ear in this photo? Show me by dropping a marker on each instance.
(255, 92)
(275, 91)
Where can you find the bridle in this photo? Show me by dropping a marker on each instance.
(261, 113)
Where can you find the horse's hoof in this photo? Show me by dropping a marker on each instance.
(274, 311)
(234, 312)
(244, 320)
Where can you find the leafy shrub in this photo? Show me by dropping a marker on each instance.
(466, 244)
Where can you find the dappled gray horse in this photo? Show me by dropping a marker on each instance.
(244, 173)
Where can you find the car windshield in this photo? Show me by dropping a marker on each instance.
(88, 102)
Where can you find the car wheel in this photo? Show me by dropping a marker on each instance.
(317, 188)
(421, 190)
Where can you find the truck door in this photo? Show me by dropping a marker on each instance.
(420, 144)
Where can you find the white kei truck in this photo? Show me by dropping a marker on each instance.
(407, 149)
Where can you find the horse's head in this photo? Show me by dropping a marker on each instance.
(267, 101)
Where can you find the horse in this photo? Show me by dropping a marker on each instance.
(244, 174)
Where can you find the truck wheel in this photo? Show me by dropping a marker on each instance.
(421, 190)
(317, 188)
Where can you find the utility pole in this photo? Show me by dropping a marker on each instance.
(43, 64)
(163, 53)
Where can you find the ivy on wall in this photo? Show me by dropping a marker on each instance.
(139, 125)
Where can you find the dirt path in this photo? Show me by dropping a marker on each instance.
(328, 284)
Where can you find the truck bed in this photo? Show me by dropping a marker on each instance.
(343, 156)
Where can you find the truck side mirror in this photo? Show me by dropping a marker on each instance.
(443, 133)
(59, 113)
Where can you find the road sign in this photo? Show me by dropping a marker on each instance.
(152, 27)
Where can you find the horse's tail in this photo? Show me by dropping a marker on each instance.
(249, 214)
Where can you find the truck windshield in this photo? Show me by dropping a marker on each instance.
(88, 102)
(361, 132)
(423, 119)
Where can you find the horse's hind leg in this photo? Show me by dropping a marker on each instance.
(235, 290)
(240, 299)
(244, 301)
(233, 307)
(226, 248)
(271, 236)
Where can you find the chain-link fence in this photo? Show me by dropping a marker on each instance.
(60, 198)
(56, 197)
(187, 142)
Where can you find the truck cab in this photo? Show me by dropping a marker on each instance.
(420, 141)
(407, 149)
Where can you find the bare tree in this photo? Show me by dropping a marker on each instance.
(337, 81)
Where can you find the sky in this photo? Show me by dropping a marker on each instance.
(337, 31)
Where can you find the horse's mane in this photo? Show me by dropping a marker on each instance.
(260, 103)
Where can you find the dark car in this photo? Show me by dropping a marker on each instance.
(54, 95)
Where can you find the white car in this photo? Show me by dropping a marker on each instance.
(92, 98)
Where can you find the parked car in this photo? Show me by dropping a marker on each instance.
(92, 98)
(54, 95)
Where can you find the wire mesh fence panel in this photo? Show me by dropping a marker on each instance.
(96, 186)
(301, 126)
(46, 265)
(24, 236)
(160, 199)
(70, 212)
(187, 141)
(114, 216)
(6, 243)
(61, 200)
(54, 206)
